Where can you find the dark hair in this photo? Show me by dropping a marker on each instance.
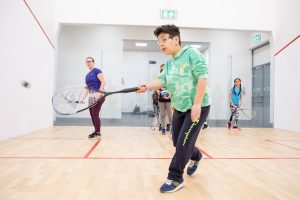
(90, 58)
(172, 30)
(233, 90)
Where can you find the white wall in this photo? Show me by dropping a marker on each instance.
(136, 70)
(229, 14)
(25, 54)
(287, 70)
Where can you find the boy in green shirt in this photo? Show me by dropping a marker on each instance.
(185, 76)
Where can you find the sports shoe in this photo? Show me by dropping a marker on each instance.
(171, 186)
(168, 127)
(95, 134)
(228, 125)
(193, 166)
(163, 131)
(235, 127)
(205, 126)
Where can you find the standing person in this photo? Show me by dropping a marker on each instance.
(185, 76)
(155, 102)
(235, 97)
(164, 104)
(94, 82)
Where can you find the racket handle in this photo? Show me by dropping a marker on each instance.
(134, 89)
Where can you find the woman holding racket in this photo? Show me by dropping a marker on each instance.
(235, 97)
(185, 76)
(94, 82)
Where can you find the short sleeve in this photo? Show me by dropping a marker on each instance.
(97, 71)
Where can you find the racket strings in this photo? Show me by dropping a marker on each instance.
(249, 113)
(63, 104)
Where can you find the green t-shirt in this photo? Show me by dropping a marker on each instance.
(180, 76)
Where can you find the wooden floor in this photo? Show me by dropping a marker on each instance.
(132, 163)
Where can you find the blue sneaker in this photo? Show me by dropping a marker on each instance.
(171, 186)
(193, 166)
(163, 131)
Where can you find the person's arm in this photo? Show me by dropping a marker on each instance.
(83, 94)
(200, 91)
(200, 71)
(156, 84)
(153, 85)
(102, 80)
(230, 98)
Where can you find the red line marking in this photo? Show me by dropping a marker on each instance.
(283, 144)
(39, 157)
(202, 151)
(287, 45)
(48, 139)
(92, 149)
(128, 158)
(283, 140)
(38, 23)
(253, 158)
(141, 158)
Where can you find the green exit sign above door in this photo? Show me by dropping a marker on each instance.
(168, 14)
(257, 38)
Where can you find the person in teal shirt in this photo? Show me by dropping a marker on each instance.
(235, 97)
(185, 77)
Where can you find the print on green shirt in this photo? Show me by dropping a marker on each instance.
(180, 76)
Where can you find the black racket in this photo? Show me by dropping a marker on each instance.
(73, 100)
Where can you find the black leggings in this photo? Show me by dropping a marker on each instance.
(235, 114)
(94, 112)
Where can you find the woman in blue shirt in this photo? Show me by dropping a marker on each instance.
(94, 82)
(235, 102)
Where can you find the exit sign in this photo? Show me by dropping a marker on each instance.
(168, 14)
(257, 38)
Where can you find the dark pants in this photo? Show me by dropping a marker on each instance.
(94, 112)
(185, 134)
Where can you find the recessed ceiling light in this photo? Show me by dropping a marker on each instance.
(197, 46)
(139, 44)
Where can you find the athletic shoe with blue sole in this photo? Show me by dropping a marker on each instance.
(193, 166)
(171, 186)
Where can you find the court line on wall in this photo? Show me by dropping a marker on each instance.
(37, 21)
(287, 45)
